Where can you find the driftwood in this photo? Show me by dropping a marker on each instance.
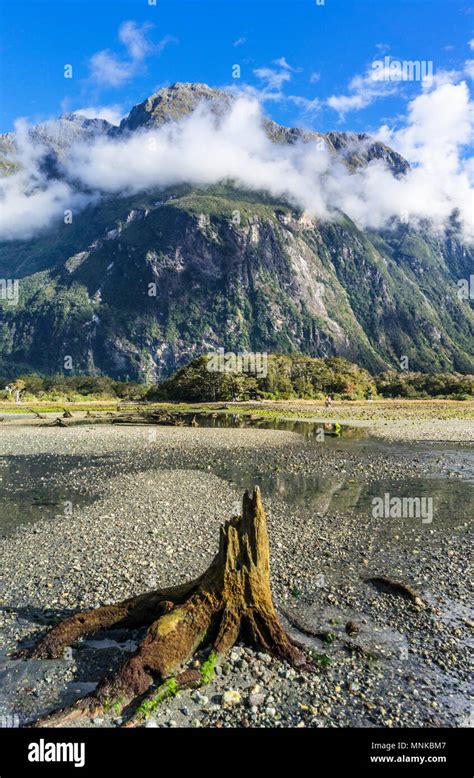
(166, 418)
(230, 601)
(38, 415)
(56, 423)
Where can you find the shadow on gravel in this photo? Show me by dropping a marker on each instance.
(31, 687)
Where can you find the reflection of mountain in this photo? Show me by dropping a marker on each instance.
(275, 281)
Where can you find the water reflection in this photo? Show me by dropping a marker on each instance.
(453, 501)
(27, 492)
(315, 431)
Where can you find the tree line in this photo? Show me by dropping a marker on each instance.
(286, 377)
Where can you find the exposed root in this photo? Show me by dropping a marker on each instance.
(385, 584)
(232, 600)
(132, 613)
(188, 679)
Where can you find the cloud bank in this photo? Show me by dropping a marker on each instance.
(204, 150)
(111, 113)
(29, 200)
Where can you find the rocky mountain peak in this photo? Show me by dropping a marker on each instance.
(173, 102)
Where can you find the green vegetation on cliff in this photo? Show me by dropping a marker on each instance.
(138, 286)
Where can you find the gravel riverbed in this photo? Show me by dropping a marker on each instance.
(128, 509)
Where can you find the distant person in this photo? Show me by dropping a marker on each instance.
(328, 401)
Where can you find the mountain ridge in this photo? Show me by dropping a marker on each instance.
(179, 100)
(278, 280)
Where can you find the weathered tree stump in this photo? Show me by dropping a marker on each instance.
(231, 600)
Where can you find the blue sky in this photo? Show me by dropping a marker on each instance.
(295, 52)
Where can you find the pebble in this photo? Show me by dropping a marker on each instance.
(135, 534)
(231, 697)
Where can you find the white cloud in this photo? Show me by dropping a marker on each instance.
(315, 77)
(273, 79)
(179, 152)
(453, 76)
(469, 68)
(471, 44)
(200, 150)
(134, 37)
(439, 123)
(29, 201)
(109, 70)
(111, 113)
(164, 42)
(345, 103)
(240, 42)
(438, 129)
(438, 126)
(282, 63)
(364, 90)
(306, 105)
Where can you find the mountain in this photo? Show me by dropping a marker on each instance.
(138, 285)
(179, 100)
(58, 135)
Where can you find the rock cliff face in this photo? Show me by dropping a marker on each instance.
(139, 285)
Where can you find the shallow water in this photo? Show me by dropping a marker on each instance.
(27, 493)
(313, 431)
(453, 500)
(453, 503)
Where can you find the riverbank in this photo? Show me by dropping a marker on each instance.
(402, 420)
(157, 497)
(409, 420)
